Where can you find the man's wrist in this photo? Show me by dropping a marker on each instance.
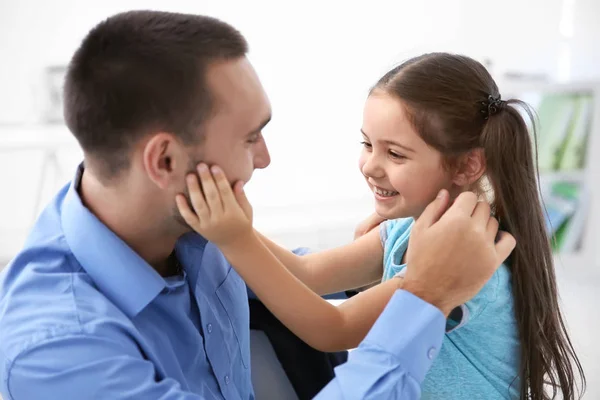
(427, 294)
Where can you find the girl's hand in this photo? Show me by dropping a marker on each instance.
(218, 214)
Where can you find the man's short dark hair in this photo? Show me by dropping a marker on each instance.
(139, 72)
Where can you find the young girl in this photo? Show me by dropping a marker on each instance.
(435, 122)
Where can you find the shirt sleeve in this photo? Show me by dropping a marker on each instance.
(392, 361)
(78, 365)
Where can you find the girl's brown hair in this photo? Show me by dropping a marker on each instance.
(446, 97)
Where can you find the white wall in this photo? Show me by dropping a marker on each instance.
(317, 60)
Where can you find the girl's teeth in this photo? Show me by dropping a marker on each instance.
(385, 193)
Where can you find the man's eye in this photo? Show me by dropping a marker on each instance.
(253, 138)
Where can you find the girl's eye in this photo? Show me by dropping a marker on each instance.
(396, 156)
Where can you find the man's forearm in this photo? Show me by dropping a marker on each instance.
(391, 363)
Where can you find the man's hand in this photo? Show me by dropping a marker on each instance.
(452, 255)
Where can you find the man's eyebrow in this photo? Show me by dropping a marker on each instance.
(260, 127)
(391, 142)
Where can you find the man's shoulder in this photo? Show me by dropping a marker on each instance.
(44, 254)
(45, 294)
(47, 229)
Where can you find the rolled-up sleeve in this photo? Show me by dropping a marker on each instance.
(392, 361)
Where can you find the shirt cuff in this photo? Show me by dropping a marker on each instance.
(411, 330)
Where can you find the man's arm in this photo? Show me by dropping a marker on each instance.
(394, 357)
(84, 366)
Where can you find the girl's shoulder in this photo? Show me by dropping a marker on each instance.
(393, 229)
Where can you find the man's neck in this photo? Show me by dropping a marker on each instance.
(121, 208)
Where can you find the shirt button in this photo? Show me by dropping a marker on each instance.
(209, 328)
(227, 379)
(431, 353)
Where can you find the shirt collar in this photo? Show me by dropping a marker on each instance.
(119, 272)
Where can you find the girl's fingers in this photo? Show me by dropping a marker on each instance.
(222, 184)
(197, 198)
(211, 193)
(186, 212)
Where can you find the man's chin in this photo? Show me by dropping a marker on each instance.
(181, 226)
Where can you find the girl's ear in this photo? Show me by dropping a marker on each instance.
(470, 168)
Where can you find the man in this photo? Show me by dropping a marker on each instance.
(113, 297)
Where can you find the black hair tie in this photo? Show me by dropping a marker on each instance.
(492, 106)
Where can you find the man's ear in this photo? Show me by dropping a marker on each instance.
(164, 159)
(470, 168)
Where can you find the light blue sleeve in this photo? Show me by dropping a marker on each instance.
(393, 229)
(84, 366)
(392, 361)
